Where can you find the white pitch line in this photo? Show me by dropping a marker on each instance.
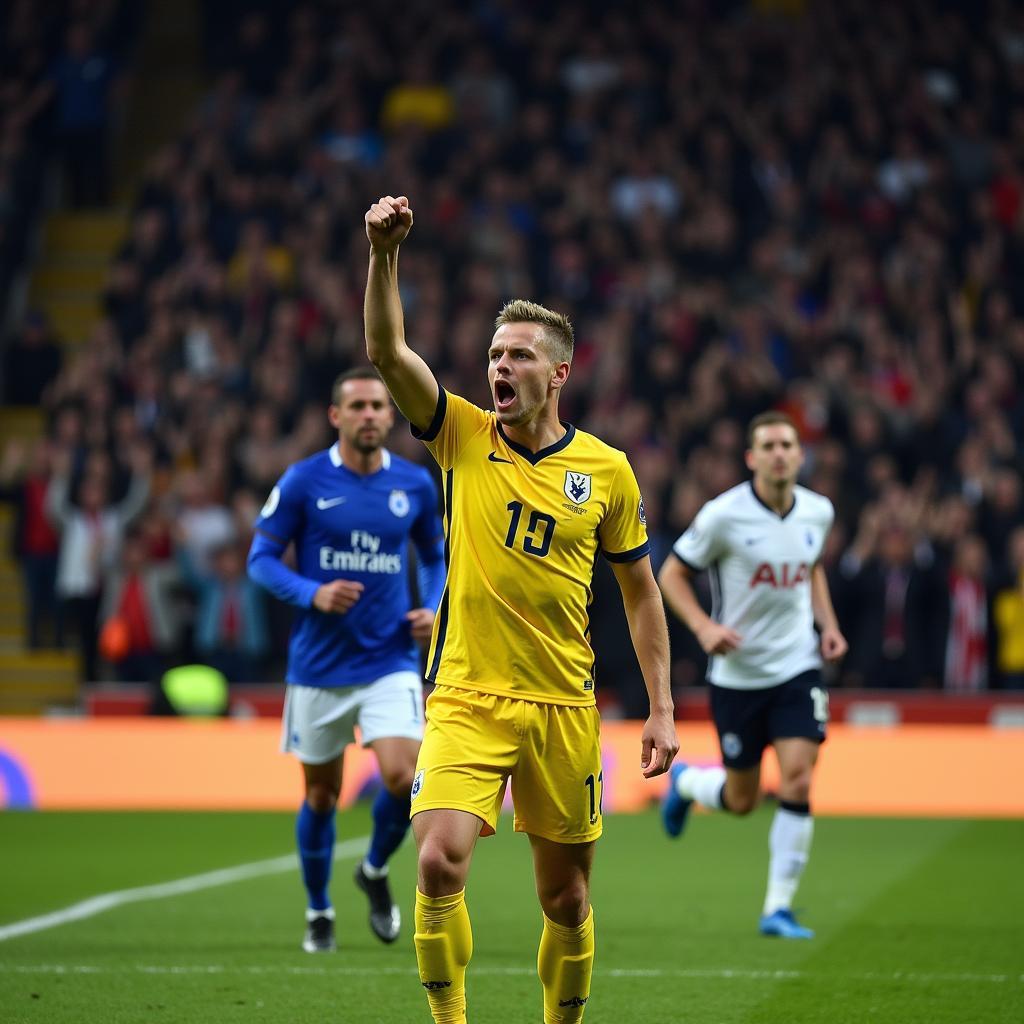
(194, 883)
(718, 974)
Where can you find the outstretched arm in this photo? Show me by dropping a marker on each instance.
(57, 503)
(646, 617)
(409, 379)
(133, 504)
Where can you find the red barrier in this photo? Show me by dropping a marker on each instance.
(856, 707)
(152, 763)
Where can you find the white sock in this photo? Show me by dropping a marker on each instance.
(371, 872)
(789, 843)
(703, 785)
(312, 915)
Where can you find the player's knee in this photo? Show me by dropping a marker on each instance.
(321, 797)
(441, 868)
(566, 905)
(796, 785)
(398, 780)
(740, 802)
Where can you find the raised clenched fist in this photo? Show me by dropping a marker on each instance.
(388, 222)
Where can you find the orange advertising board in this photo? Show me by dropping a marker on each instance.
(156, 763)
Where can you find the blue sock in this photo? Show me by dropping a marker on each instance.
(315, 836)
(390, 823)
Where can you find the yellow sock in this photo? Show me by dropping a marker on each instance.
(444, 944)
(565, 962)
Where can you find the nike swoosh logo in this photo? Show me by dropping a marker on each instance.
(325, 503)
(493, 457)
(752, 540)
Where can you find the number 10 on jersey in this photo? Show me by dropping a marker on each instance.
(540, 528)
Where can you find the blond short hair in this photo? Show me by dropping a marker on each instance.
(557, 327)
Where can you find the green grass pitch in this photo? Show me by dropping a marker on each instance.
(917, 921)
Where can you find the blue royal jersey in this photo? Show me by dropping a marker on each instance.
(354, 527)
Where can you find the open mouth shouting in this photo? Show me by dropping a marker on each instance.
(504, 395)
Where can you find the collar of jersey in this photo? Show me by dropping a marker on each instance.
(552, 449)
(335, 454)
(764, 504)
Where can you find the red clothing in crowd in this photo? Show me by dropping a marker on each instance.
(135, 615)
(38, 535)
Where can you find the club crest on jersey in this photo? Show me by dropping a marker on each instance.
(577, 487)
(398, 502)
(270, 505)
(417, 785)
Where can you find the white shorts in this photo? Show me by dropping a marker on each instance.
(319, 722)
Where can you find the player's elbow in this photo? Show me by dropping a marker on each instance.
(382, 351)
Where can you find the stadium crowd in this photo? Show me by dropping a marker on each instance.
(62, 73)
(816, 207)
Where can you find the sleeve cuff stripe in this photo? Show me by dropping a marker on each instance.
(270, 538)
(629, 556)
(435, 424)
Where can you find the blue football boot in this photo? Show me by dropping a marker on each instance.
(782, 924)
(674, 808)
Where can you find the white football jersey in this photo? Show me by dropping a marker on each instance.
(760, 565)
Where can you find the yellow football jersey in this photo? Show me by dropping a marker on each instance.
(523, 531)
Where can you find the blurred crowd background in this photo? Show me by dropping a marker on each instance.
(816, 206)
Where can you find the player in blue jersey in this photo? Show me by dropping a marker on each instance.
(353, 658)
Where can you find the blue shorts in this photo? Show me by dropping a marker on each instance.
(750, 720)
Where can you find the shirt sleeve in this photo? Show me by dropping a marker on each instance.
(266, 568)
(828, 518)
(282, 513)
(700, 545)
(623, 531)
(455, 420)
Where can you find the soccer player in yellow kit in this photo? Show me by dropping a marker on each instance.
(529, 503)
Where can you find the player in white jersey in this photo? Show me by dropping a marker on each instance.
(761, 542)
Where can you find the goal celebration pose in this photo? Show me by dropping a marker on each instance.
(529, 503)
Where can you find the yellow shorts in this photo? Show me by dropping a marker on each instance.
(474, 742)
